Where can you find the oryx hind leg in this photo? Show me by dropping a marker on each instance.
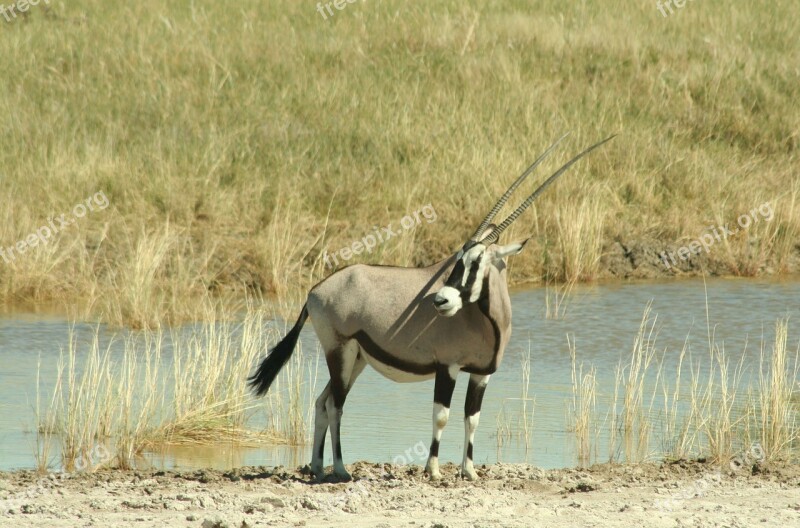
(320, 430)
(442, 396)
(344, 364)
(472, 413)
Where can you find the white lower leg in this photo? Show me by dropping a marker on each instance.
(470, 424)
(440, 417)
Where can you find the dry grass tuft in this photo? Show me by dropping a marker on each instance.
(152, 389)
(721, 414)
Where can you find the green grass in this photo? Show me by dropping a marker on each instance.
(237, 142)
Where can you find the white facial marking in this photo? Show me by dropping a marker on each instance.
(452, 304)
(476, 253)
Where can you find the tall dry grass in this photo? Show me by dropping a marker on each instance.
(775, 410)
(187, 386)
(584, 409)
(236, 146)
(515, 419)
(711, 407)
(636, 410)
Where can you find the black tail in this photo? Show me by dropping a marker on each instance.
(277, 358)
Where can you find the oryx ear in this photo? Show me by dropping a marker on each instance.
(509, 250)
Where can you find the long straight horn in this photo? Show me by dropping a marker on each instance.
(503, 199)
(513, 216)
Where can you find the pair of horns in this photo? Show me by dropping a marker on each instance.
(495, 234)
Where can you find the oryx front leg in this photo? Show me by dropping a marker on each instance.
(442, 396)
(472, 413)
(344, 365)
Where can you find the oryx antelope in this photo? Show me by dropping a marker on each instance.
(412, 324)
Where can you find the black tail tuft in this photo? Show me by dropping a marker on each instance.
(277, 358)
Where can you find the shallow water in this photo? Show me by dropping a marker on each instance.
(385, 421)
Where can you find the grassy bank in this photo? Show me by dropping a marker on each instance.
(238, 143)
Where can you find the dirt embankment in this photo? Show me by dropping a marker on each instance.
(383, 495)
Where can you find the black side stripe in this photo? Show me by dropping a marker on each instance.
(374, 350)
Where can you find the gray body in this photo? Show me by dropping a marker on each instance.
(389, 311)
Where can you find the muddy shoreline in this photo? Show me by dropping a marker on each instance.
(682, 493)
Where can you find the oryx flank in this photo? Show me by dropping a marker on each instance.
(413, 324)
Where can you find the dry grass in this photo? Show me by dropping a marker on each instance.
(774, 412)
(237, 145)
(151, 389)
(518, 424)
(584, 409)
(635, 422)
(722, 413)
(556, 299)
(45, 425)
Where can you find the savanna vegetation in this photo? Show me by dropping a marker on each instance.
(237, 142)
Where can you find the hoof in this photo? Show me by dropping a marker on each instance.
(342, 474)
(433, 472)
(318, 472)
(469, 474)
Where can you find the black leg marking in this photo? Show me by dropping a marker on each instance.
(321, 450)
(339, 443)
(434, 448)
(338, 389)
(472, 405)
(443, 386)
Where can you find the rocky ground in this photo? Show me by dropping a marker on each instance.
(381, 495)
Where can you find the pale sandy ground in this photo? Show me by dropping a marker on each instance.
(679, 494)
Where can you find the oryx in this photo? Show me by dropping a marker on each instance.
(413, 324)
